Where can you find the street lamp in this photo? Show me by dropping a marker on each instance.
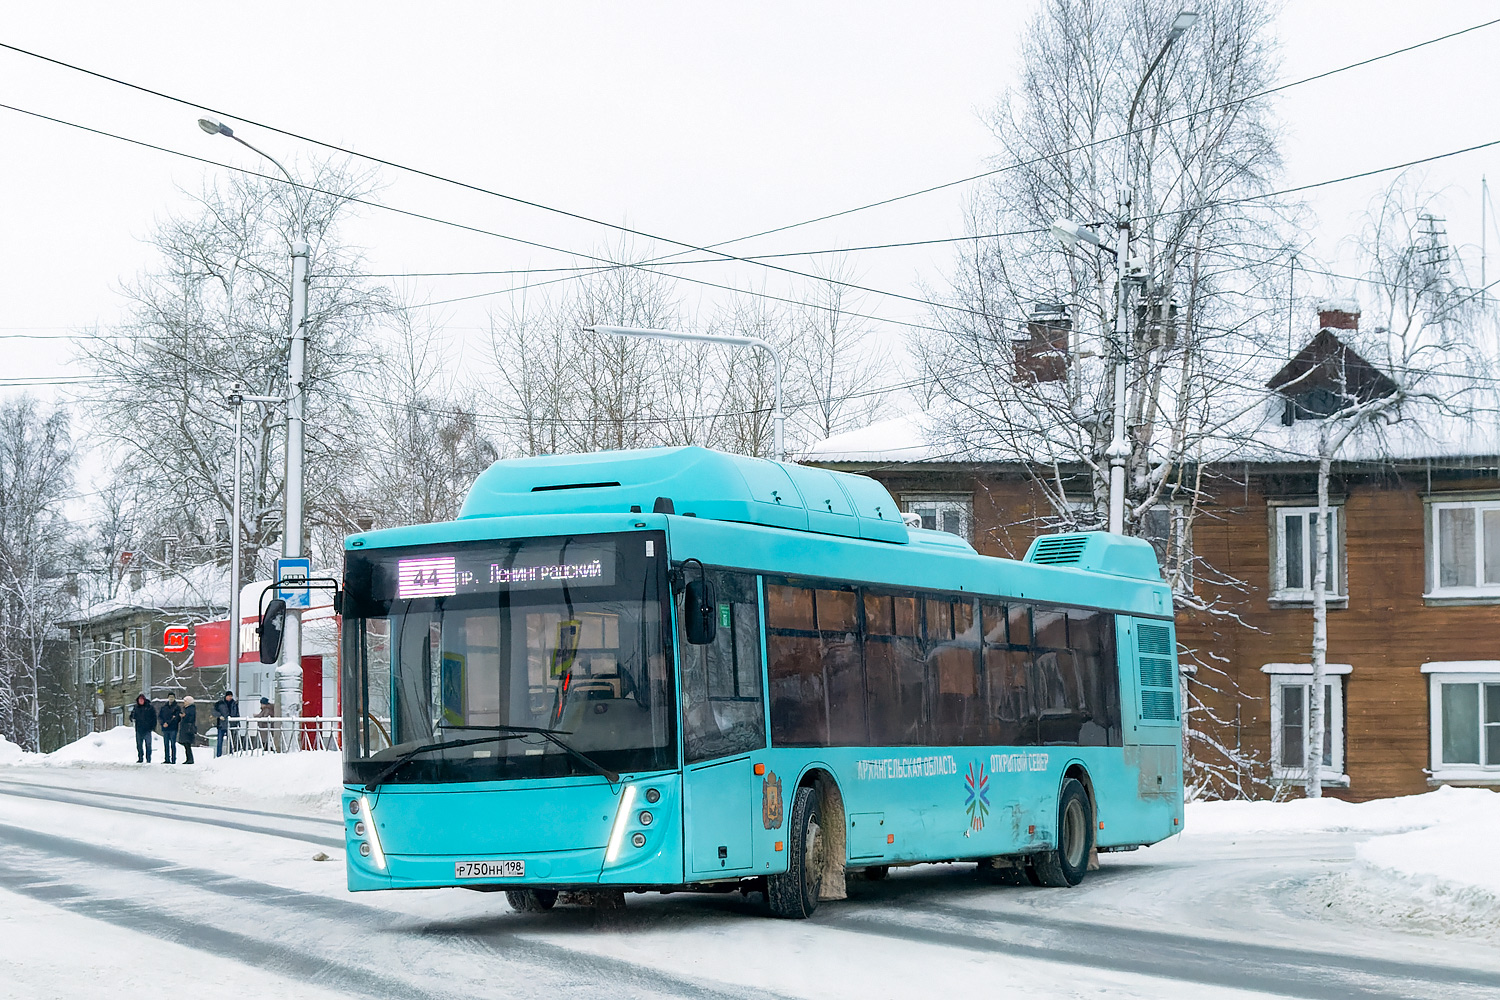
(778, 419)
(296, 409)
(1070, 233)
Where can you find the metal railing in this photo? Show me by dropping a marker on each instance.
(280, 734)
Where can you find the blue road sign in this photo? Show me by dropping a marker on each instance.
(295, 595)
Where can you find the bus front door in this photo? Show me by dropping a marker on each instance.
(719, 808)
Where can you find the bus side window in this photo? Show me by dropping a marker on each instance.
(1091, 636)
(960, 716)
(843, 667)
(722, 709)
(799, 707)
(894, 670)
(1007, 672)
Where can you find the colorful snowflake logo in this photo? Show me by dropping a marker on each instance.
(976, 795)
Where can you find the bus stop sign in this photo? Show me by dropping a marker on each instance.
(295, 593)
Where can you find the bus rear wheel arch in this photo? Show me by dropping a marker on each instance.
(1066, 864)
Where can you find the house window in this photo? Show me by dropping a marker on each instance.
(133, 653)
(1465, 720)
(1168, 527)
(117, 657)
(116, 718)
(950, 512)
(1296, 544)
(1291, 706)
(1465, 547)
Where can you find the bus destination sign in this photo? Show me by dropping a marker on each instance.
(523, 567)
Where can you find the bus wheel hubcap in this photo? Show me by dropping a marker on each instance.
(1073, 833)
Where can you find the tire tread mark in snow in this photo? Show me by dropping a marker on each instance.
(75, 799)
(6, 784)
(1284, 971)
(205, 937)
(515, 947)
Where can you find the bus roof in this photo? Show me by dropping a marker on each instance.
(716, 486)
(695, 481)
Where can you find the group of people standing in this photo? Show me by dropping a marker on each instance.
(179, 725)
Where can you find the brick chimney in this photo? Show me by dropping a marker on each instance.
(1338, 314)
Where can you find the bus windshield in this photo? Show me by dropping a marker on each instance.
(444, 644)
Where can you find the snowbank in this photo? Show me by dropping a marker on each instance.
(10, 753)
(112, 746)
(1429, 863)
(1409, 812)
(310, 779)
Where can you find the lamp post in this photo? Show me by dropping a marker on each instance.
(778, 419)
(238, 399)
(289, 673)
(1070, 233)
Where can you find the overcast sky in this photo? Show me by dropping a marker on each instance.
(699, 122)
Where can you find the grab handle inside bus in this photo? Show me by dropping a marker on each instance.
(271, 629)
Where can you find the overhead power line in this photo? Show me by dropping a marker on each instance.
(714, 248)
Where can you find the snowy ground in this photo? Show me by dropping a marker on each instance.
(112, 873)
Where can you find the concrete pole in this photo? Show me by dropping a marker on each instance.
(289, 674)
(1119, 448)
(236, 400)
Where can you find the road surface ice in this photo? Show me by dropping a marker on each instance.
(109, 869)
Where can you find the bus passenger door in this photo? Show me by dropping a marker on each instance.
(723, 722)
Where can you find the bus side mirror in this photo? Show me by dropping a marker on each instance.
(272, 627)
(698, 612)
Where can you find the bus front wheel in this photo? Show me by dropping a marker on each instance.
(794, 895)
(531, 900)
(1066, 865)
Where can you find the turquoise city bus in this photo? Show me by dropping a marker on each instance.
(681, 670)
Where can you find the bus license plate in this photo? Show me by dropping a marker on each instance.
(489, 869)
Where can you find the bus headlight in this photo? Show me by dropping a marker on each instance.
(375, 854)
(639, 839)
(622, 817)
(646, 818)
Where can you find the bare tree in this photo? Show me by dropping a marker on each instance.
(1412, 370)
(212, 312)
(36, 467)
(834, 363)
(424, 444)
(1022, 368)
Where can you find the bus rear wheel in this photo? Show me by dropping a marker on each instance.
(794, 894)
(531, 900)
(1067, 865)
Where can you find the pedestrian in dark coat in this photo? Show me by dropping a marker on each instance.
(187, 730)
(143, 714)
(226, 710)
(170, 717)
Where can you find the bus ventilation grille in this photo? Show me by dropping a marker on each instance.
(1154, 644)
(1059, 550)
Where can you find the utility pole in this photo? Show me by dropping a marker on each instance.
(289, 674)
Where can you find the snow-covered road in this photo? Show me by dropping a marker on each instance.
(111, 876)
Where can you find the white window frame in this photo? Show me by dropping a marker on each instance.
(1337, 591)
(117, 657)
(1442, 672)
(132, 653)
(963, 503)
(1435, 550)
(1335, 774)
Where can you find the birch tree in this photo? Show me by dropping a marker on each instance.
(36, 469)
(1417, 366)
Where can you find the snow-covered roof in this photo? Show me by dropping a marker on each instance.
(196, 587)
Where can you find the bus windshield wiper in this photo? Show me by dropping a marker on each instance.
(406, 758)
(552, 736)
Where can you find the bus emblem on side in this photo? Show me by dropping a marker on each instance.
(770, 801)
(976, 796)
